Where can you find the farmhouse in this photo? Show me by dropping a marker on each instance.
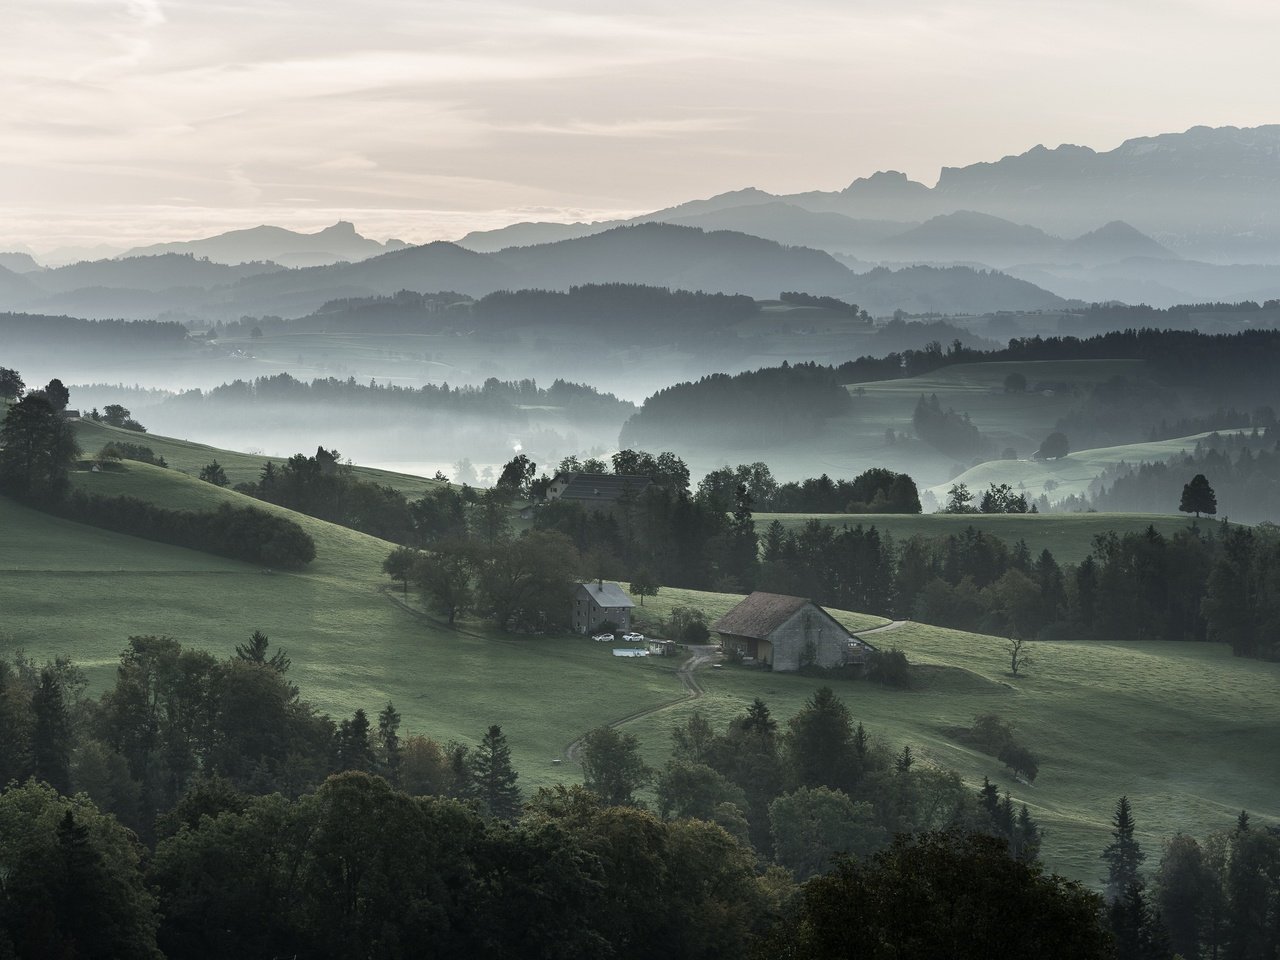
(788, 632)
(593, 603)
(599, 491)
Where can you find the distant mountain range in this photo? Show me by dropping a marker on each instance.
(656, 254)
(1184, 217)
(278, 245)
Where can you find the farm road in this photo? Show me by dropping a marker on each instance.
(699, 656)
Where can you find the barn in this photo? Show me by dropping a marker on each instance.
(786, 633)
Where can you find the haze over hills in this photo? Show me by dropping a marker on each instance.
(1058, 215)
(655, 254)
(278, 245)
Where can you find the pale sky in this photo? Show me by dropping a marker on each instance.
(131, 121)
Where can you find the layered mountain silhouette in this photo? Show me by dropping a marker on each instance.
(654, 254)
(278, 245)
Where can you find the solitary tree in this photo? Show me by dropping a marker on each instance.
(1198, 497)
(399, 565)
(1055, 447)
(611, 766)
(58, 394)
(1018, 658)
(212, 472)
(644, 584)
(517, 474)
(493, 778)
(11, 384)
(1122, 855)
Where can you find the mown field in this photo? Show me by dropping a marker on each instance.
(1070, 475)
(1068, 536)
(1185, 730)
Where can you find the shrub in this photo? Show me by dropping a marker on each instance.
(890, 668)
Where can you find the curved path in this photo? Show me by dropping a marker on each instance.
(891, 625)
(699, 656)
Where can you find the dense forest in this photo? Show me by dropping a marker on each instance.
(760, 406)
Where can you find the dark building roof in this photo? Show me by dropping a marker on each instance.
(607, 594)
(602, 487)
(759, 615)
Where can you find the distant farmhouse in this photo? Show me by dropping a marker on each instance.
(786, 633)
(600, 491)
(594, 603)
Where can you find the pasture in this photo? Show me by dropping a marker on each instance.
(1184, 729)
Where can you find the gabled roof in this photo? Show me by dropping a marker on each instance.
(759, 615)
(601, 486)
(607, 594)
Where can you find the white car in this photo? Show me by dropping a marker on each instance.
(603, 638)
(633, 637)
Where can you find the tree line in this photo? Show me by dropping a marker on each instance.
(270, 829)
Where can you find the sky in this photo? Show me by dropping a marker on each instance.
(131, 121)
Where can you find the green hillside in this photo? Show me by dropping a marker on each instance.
(1070, 475)
(1068, 536)
(1183, 729)
(186, 456)
(71, 589)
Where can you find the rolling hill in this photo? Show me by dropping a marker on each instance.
(1160, 722)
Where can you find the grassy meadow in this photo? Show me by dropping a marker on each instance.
(189, 457)
(1070, 475)
(1184, 729)
(1068, 536)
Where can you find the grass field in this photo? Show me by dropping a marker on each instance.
(1184, 729)
(1070, 475)
(187, 456)
(1068, 536)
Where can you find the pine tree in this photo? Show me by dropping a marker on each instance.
(51, 733)
(1122, 856)
(354, 750)
(493, 776)
(389, 741)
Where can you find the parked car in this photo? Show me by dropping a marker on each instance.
(603, 638)
(633, 637)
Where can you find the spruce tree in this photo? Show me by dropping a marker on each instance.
(389, 742)
(51, 733)
(494, 778)
(1122, 856)
(354, 749)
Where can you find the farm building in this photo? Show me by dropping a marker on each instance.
(786, 632)
(594, 603)
(596, 491)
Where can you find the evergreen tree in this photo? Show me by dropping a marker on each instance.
(389, 742)
(1122, 856)
(821, 741)
(493, 778)
(255, 651)
(37, 449)
(354, 749)
(51, 733)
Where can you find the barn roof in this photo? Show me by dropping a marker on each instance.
(608, 594)
(759, 615)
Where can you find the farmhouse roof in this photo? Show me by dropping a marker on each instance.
(607, 594)
(602, 486)
(759, 615)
